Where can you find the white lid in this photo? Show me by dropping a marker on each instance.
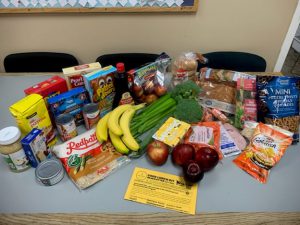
(9, 135)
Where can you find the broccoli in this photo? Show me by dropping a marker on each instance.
(188, 110)
(186, 90)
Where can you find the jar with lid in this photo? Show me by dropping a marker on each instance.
(11, 149)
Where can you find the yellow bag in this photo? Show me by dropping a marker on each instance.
(31, 112)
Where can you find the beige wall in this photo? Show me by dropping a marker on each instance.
(257, 26)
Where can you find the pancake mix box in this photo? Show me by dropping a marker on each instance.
(74, 74)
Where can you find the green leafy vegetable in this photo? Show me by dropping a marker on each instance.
(186, 90)
(188, 110)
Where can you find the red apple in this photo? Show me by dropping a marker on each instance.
(182, 153)
(207, 158)
(157, 152)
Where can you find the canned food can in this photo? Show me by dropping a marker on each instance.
(49, 172)
(66, 126)
(91, 114)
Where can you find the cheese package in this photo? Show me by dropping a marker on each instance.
(74, 74)
(31, 112)
(100, 86)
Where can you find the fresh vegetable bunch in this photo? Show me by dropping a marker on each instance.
(186, 90)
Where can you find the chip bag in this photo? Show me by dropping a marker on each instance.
(266, 148)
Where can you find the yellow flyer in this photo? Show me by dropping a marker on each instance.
(162, 190)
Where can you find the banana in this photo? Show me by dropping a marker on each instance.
(113, 120)
(127, 137)
(117, 143)
(101, 129)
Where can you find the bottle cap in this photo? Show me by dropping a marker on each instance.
(9, 135)
(120, 67)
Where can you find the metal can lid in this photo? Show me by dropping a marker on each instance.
(90, 108)
(64, 118)
(49, 171)
(9, 135)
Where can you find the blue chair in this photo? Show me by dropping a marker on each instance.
(237, 61)
(38, 62)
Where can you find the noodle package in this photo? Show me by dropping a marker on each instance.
(264, 151)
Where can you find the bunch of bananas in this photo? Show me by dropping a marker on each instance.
(116, 124)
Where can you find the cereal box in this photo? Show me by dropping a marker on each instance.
(74, 74)
(70, 102)
(31, 112)
(100, 85)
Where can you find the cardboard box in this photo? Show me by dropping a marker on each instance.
(100, 86)
(48, 88)
(70, 102)
(74, 74)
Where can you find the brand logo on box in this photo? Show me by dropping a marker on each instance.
(76, 81)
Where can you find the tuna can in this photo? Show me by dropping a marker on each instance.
(91, 114)
(66, 126)
(49, 172)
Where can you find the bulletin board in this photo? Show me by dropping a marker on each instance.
(86, 6)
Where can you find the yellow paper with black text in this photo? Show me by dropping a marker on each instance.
(162, 190)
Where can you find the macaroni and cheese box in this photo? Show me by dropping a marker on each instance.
(74, 74)
(70, 102)
(100, 85)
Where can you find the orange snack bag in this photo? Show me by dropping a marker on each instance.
(204, 134)
(264, 151)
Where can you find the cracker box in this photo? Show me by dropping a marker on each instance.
(100, 86)
(74, 74)
(31, 112)
(70, 102)
(48, 88)
(34, 146)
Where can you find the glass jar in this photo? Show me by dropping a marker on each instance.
(11, 149)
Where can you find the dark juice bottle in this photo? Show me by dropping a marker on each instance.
(122, 95)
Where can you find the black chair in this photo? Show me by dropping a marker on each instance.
(237, 61)
(130, 60)
(38, 62)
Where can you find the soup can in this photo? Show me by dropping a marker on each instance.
(66, 126)
(91, 115)
(49, 172)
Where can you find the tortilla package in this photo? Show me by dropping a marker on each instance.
(266, 148)
(88, 161)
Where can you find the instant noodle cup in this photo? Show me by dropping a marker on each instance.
(266, 148)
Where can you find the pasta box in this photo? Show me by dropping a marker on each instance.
(100, 86)
(70, 102)
(34, 146)
(74, 74)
